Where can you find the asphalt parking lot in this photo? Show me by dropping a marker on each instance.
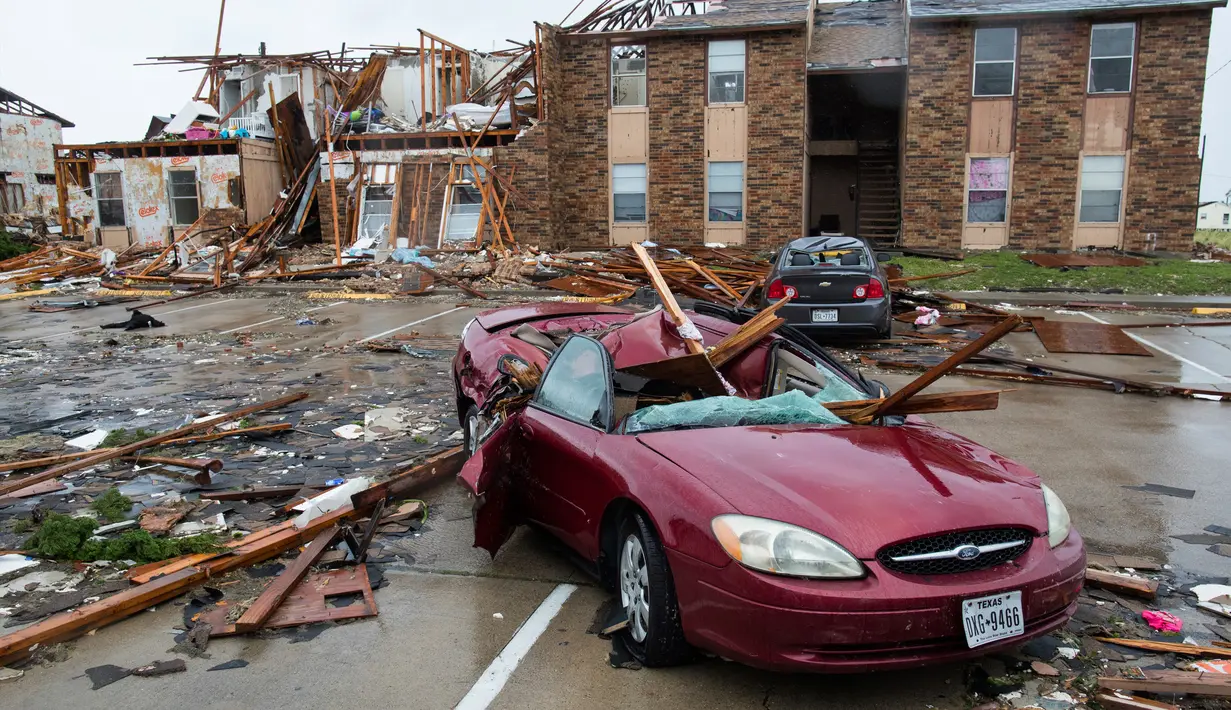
(457, 627)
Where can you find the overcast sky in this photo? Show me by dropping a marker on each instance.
(76, 57)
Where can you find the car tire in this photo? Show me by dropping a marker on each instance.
(472, 425)
(654, 635)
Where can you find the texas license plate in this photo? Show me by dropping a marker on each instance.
(824, 315)
(989, 619)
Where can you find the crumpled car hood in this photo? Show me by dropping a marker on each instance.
(862, 486)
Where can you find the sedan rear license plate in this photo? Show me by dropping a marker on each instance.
(824, 315)
(989, 619)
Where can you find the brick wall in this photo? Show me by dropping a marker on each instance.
(777, 95)
(936, 115)
(1051, 99)
(676, 89)
(527, 161)
(1164, 167)
(577, 134)
(326, 210)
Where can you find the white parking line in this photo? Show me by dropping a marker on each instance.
(404, 327)
(489, 685)
(164, 313)
(274, 320)
(1165, 351)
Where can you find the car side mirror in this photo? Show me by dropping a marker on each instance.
(882, 256)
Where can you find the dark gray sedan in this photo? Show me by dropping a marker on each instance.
(836, 285)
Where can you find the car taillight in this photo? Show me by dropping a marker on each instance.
(872, 289)
(776, 291)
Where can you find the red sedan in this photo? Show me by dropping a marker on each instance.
(758, 527)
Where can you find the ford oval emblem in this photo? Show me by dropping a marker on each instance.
(967, 552)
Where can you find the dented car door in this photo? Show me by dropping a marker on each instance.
(488, 476)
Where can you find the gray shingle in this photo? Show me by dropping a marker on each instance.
(926, 9)
(739, 13)
(858, 35)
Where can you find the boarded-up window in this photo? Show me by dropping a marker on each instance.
(110, 199)
(628, 186)
(726, 192)
(628, 75)
(988, 190)
(1102, 182)
(185, 206)
(12, 195)
(1111, 57)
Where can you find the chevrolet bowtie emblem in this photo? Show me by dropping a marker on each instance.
(825, 283)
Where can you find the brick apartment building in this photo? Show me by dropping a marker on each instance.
(932, 123)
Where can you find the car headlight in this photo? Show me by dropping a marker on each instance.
(1058, 523)
(466, 328)
(779, 548)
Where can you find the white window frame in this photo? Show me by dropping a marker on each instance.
(462, 219)
(1226, 219)
(1081, 187)
(709, 72)
(1131, 57)
(99, 199)
(974, 73)
(171, 196)
(625, 74)
(1008, 190)
(644, 192)
(743, 191)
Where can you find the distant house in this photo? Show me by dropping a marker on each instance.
(1214, 215)
(27, 169)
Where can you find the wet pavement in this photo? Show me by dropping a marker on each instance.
(438, 628)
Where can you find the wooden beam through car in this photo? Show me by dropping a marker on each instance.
(695, 346)
(918, 384)
(747, 335)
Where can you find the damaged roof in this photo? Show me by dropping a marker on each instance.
(944, 9)
(738, 13)
(14, 104)
(858, 35)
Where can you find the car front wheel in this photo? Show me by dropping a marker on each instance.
(654, 635)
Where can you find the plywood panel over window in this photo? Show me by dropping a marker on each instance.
(629, 134)
(726, 132)
(991, 126)
(1106, 125)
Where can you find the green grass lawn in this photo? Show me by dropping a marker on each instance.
(1219, 237)
(1006, 270)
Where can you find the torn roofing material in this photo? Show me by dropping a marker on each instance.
(858, 35)
(724, 14)
(14, 104)
(945, 9)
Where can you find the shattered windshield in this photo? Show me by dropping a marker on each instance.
(830, 257)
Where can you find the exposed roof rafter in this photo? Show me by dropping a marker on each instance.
(14, 104)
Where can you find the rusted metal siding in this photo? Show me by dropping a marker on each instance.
(25, 152)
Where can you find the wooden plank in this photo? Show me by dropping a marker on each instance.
(412, 479)
(1217, 684)
(918, 384)
(109, 454)
(273, 596)
(710, 276)
(695, 346)
(1110, 701)
(258, 493)
(1122, 583)
(450, 280)
(1183, 649)
(748, 334)
(692, 370)
(1081, 337)
(941, 402)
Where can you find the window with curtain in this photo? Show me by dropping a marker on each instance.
(726, 71)
(185, 206)
(987, 196)
(628, 188)
(628, 75)
(110, 194)
(995, 61)
(1111, 57)
(726, 192)
(1102, 186)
